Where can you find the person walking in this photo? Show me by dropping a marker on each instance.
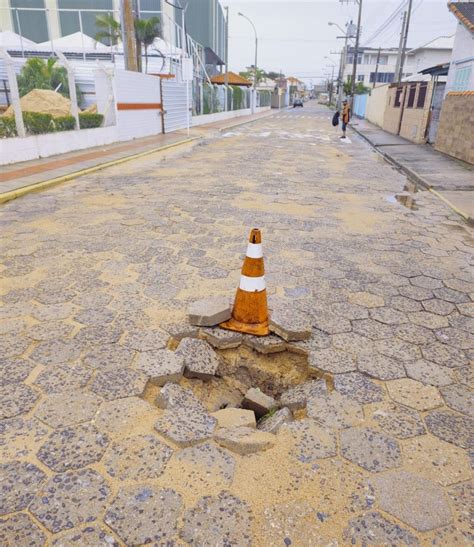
(346, 116)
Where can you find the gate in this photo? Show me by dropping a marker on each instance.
(175, 108)
(435, 111)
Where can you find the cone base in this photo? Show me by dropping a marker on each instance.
(257, 329)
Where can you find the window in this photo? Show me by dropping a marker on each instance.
(360, 77)
(398, 95)
(461, 79)
(420, 102)
(411, 96)
(383, 60)
(70, 21)
(30, 24)
(350, 59)
(382, 77)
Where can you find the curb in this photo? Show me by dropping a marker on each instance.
(415, 177)
(44, 185)
(270, 113)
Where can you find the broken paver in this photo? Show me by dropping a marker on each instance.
(265, 344)
(244, 440)
(209, 311)
(290, 324)
(200, 360)
(161, 366)
(222, 339)
(333, 410)
(218, 520)
(235, 417)
(372, 450)
(418, 502)
(297, 397)
(173, 396)
(144, 514)
(259, 402)
(273, 422)
(414, 394)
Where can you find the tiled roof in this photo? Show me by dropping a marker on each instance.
(234, 79)
(464, 11)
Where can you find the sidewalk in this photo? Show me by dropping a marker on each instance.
(22, 178)
(450, 179)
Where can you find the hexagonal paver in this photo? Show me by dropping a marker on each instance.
(173, 396)
(14, 370)
(208, 460)
(309, 441)
(354, 344)
(429, 373)
(200, 360)
(16, 399)
(426, 282)
(123, 417)
(398, 349)
(220, 338)
(52, 352)
(109, 356)
(437, 460)
(331, 360)
(414, 334)
(218, 520)
(59, 378)
(414, 394)
(49, 330)
(389, 316)
(416, 501)
(465, 375)
(209, 311)
(186, 426)
(95, 316)
(402, 303)
(70, 499)
(145, 514)
(440, 307)
(73, 448)
(372, 450)
(444, 355)
(451, 427)
(115, 384)
(90, 535)
(333, 410)
(161, 366)
(19, 530)
(94, 336)
(19, 481)
(459, 398)
(137, 458)
(68, 408)
(466, 309)
(416, 293)
(297, 397)
(450, 295)
(290, 324)
(19, 437)
(372, 329)
(456, 338)
(399, 421)
(332, 323)
(267, 344)
(428, 320)
(349, 311)
(13, 345)
(357, 386)
(146, 340)
(244, 440)
(365, 299)
(381, 367)
(374, 529)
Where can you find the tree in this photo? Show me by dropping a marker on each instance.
(360, 88)
(110, 29)
(250, 74)
(274, 75)
(38, 73)
(147, 30)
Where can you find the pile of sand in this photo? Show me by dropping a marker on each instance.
(92, 109)
(45, 101)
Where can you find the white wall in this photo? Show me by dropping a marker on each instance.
(426, 58)
(462, 56)
(220, 116)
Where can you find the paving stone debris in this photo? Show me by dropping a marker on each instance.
(290, 324)
(161, 366)
(296, 397)
(235, 417)
(244, 440)
(200, 360)
(209, 312)
(222, 339)
(259, 402)
(273, 422)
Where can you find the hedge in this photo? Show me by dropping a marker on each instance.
(64, 123)
(7, 127)
(88, 120)
(37, 123)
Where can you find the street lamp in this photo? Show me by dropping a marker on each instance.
(256, 49)
(348, 33)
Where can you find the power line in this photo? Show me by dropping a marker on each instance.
(388, 22)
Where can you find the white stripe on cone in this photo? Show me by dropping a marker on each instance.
(254, 250)
(252, 284)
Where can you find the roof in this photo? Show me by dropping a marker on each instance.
(437, 70)
(234, 79)
(212, 58)
(294, 80)
(464, 11)
(75, 41)
(11, 40)
(441, 42)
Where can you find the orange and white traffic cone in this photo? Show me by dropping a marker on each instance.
(250, 312)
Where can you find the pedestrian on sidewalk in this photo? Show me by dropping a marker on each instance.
(346, 116)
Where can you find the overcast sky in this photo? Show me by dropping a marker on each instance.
(294, 35)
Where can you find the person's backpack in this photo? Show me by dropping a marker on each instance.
(335, 119)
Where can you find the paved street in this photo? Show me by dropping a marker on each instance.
(97, 275)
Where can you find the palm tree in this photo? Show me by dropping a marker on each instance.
(147, 30)
(110, 29)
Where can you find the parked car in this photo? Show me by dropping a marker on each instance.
(297, 102)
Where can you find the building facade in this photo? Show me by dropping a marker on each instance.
(461, 69)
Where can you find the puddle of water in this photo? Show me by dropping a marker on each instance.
(407, 201)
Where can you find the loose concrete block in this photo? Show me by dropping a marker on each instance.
(200, 360)
(290, 324)
(244, 440)
(209, 311)
(257, 401)
(220, 338)
(235, 417)
(161, 366)
(273, 423)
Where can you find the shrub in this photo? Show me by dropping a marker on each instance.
(7, 127)
(37, 123)
(87, 120)
(64, 123)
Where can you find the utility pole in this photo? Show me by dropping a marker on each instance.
(377, 67)
(400, 46)
(226, 77)
(356, 54)
(128, 36)
(405, 38)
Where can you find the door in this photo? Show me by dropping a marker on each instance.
(435, 111)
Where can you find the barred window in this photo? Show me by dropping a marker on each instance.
(420, 103)
(398, 95)
(411, 96)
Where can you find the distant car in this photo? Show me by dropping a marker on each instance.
(297, 102)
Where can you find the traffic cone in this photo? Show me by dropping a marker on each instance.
(250, 312)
